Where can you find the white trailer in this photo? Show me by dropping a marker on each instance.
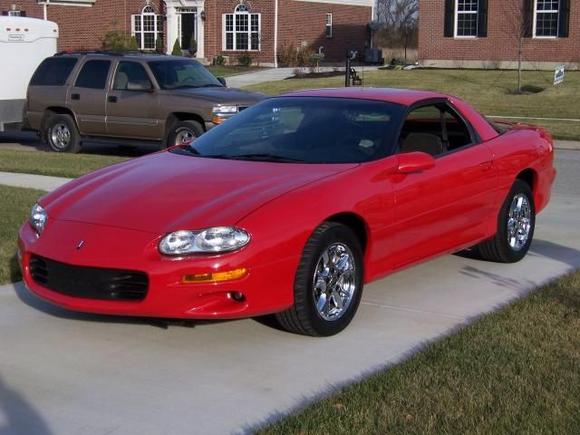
(24, 44)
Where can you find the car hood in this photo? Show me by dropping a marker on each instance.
(222, 95)
(166, 192)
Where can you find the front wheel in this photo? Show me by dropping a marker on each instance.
(328, 284)
(184, 132)
(515, 231)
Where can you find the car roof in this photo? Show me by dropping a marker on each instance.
(406, 97)
(128, 55)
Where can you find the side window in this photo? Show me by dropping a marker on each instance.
(53, 71)
(94, 74)
(456, 130)
(131, 76)
(423, 131)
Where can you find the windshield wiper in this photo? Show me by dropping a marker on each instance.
(259, 157)
(211, 85)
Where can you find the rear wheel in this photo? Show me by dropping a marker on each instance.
(62, 134)
(516, 224)
(183, 132)
(328, 284)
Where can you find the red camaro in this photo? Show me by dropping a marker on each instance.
(288, 208)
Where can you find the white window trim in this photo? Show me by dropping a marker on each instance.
(456, 18)
(15, 13)
(535, 24)
(328, 24)
(235, 32)
(140, 17)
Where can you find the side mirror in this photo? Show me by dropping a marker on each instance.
(222, 81)
(415, 162)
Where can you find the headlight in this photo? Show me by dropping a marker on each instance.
(221, 113)
(211, 240)
(38, 218)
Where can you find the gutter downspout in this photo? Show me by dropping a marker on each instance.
(276, 34)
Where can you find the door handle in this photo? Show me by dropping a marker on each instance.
(112, 99)
(486, 165)
(75, 96)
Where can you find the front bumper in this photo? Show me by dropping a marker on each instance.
(267, 288)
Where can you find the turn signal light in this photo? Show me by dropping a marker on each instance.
(230, 275)
(217, 120)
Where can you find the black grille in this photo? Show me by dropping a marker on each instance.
(89, 282)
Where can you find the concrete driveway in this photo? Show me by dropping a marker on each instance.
(66, 373)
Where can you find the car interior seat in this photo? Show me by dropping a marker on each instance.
(121, 81)
(425, 142)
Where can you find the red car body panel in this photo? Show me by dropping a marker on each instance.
(122, 212)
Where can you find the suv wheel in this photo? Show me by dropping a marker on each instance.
(183, 132)
(62, 134)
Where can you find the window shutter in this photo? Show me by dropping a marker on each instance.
(449, 30)
(23, 14)
(564, 18)
(528, 18)
(482, 19)
(5, 13)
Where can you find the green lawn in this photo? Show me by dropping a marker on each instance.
(14, 210)
(515, 371)
(231, 70)
(55, 164)
(490, 91)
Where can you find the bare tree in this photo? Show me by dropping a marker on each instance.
(518, 28)
(398, 20)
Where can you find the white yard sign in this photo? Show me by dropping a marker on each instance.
(559, 75)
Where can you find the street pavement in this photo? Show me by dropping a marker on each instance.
(69, 373)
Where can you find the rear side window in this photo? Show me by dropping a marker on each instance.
(53, 71)
(94, 74)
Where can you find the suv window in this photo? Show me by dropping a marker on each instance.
(53, 71)
(94, 74)
(131, 76)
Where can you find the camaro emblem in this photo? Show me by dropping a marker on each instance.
(81, 244)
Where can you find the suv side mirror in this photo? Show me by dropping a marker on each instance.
(222, 81)
(416, 161)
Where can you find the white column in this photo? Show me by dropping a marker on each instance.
(172, 26)
(200, 33)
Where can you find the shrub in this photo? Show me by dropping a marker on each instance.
(289, 55)
(132, 44)
(115, 40)
(219, 60)
(245, 60)
(159, 48)
(176, 48)
(193, 46)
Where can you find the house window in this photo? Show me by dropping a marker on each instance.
(466, 18)
(147, 28)
(328, 26)
(546, 18)
(242, 29)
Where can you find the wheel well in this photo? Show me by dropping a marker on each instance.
(355, 223)
(182, 116)
(55, 110)
(528, 176)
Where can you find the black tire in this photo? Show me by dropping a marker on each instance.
(498, 248)
(304, 318)
(62, 134)
(191, 128)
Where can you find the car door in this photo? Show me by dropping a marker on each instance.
(446, 207)
(87, 96)
(132, 104)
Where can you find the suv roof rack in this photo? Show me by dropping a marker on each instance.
(109, 53)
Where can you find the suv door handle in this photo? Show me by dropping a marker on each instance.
(75, 96)
(112, 99)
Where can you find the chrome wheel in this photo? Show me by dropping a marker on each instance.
(184, 136)
(334, 282)
(519, 222)
(60, 136)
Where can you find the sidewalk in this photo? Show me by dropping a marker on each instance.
(31, 181)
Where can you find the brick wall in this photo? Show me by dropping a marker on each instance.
(85, 27)
(302, 21)
(501, 43)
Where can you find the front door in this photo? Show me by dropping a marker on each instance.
(133, 104)
(448, 206)
(188, 32)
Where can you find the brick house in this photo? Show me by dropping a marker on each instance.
(491, 33)
(228, 27)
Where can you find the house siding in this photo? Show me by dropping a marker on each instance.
(500, 47)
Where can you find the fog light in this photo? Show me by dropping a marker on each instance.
(230, 275)
(237, 296)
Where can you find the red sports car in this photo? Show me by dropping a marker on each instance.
(289, 208)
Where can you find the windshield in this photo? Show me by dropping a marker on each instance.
(176, 74)
(306, 130)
